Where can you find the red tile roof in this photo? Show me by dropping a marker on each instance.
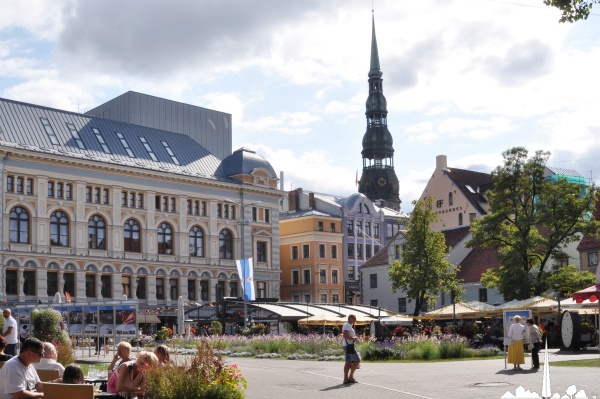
(476, 263)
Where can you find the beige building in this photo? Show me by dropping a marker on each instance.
(99, 209)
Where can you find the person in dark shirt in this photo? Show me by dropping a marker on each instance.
(3, 356)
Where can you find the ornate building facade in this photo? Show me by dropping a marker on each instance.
(99, 209)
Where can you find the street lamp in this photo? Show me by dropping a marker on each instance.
(243, 207)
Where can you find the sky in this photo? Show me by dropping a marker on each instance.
(468, 79)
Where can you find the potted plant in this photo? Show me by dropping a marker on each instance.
(587, 330)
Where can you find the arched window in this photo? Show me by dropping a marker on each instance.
(59, 229)
(131, 236)
(96, 233)
(225, 245)
(460, 220)
(196, 242)
(19, 225)
(450, 199)
(165, 239)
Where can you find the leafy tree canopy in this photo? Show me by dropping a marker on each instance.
(572, 10)
(530, 221)
(569, 280)
(424, 270)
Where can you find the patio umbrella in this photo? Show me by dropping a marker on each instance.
(397, 320)
(538, 305)
(461, 311)
(592, 293)
(180, 316)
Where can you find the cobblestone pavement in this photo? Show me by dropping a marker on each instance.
(482, 379)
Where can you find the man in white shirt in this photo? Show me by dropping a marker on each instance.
(49, 362)
(351, 354)
(18, 378)
(10, 333)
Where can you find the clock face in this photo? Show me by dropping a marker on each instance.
(382, 181)
(566, 329)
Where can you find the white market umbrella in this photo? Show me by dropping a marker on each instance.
(397, 320)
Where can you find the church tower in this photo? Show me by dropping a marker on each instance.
(378, 182)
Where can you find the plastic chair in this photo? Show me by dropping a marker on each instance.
(48, 375)
(68, 391)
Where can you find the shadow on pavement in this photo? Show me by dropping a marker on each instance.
(334, 387)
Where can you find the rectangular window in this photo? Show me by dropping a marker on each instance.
(29, 283)
(10, 184)
(49, 131)
(160, 288)
(398, 251)
(305, 251)
(132, 200)
(97, 195)
(483, 297)
(90, 285)
(351, 272)
(267, 216)
(368, 229)
(374, 303)
(389, 232)
(373, 280)
(320, 228)
(359, 228)
(592, 258)
(350, 227)
(359, 250)
(105, 195)
(323, 276)
(332, 227)
(203, 208)
(124, 198)
(204, 294)
(350, 250)
(261, 289)
(59, 190)
(106, 289)
(295, 277)
(148, 148)
(11, 282)
(75, 135)
(472, 217)
(334, 252)
(401, 305)
(375, 229)
(69, 283)
(174, 288)
(192, 289)
(296, 298)
(196, 209)
(219, 210)
(323, 298)
(29, 186)
(101, 140)
(20, 185)
(335, 298)
(171, 204)
(294, 252)
(126, 286)
(226, 211)
(334, 277)
(170, 152)
(368, 251)
(261, 251)
(306, 276)
(51, 189)
(125, 145)
(69, 191)
(254, 214)
(307, 298)
(189, 207)
(233, 289)
(52, 285)
(140, 200)
(322, 251)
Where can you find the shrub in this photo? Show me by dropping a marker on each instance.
(205, 377)
(217, 327)
(65, 353)
(48, 325)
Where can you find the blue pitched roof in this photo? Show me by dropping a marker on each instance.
(21, 127)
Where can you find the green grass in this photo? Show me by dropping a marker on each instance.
(577, 363)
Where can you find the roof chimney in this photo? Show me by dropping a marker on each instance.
(441, 162)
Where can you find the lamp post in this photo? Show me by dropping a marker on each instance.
(243, 207)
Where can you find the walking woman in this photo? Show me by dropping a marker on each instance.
(535, 342)
(516, 352)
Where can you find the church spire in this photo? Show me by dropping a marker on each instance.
(375, 71)
(378, 182)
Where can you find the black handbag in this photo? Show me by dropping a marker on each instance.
(349, 347)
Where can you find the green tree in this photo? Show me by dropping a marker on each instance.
(568, 279)
(424, 270)
(530, 221)
(572, 10)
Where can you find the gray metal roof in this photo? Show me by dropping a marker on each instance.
(21, 127)
(563, 171)
(302, 213)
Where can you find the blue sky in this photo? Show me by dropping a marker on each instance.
(464, 78)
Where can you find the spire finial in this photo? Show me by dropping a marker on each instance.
(375, 70)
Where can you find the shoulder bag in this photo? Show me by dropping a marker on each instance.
(350, 347)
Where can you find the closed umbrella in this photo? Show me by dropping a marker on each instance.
(180, 316)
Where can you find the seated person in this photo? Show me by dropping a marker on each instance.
(162, 353)
(18, 378)
(131, 374)
(48, 362)
(3, 356)
(73, 375)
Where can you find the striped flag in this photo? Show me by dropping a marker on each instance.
(246, 273)
(357, 177)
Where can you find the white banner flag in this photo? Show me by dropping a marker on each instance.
(246, 272)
